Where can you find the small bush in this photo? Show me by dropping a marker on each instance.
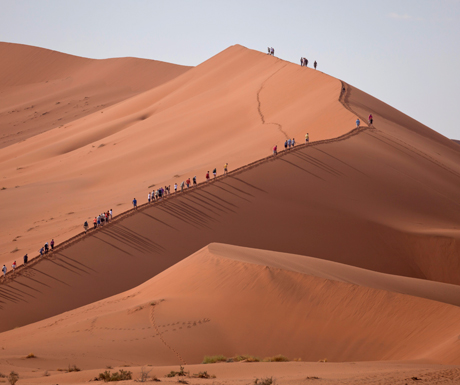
(264, 381)
(73, 368)
(181, 372)
(214, 359)
(203, 375)
(13, 378)
(31, 355)
(121, 375)
(2, 375)
(245, 358)
(144, 375)
(278, 358)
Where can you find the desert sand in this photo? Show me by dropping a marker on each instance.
(345, 248)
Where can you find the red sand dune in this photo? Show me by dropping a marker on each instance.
(371, 199)
(42, 89)
(231, 300)
(232, 108)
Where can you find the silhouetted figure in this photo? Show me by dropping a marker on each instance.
(371, 119)
(26, 259)
(315, 64)
(85, 226)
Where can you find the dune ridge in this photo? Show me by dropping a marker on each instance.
(197, 307)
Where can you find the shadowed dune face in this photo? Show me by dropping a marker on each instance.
(41, 89)
(229, 300)
(356, 201)
(232, 108)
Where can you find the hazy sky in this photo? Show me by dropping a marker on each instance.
(406, 53)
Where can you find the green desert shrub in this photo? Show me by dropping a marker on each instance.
(214, 359)
(121, 375)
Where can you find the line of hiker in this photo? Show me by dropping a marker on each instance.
(271, 51)
(100, 220)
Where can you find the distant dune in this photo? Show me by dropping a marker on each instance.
(42, 89)
(229, 300)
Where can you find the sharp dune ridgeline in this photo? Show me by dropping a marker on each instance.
(346, 247)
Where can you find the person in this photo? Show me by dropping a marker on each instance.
(272, 51)
(301, 61)
(42, 251)
(85, 226)
(307, 138)
(225, 168)
(182, 186)
(14, 266)
(175, 187)
(187, 182)
(4, 270)
(102, 219)
(371, 119)
(275, 150)
(95, 222)
(107, 217)
(26, 258)
(214, 172)
(46, 247)
(315, 64)
(111, 214)
(207, 176)
(293, 142)
(289, 143)
(135, 203)
(52, 244)
(268, 51)
(194, 180)
(358, 122)
(285, 145)
(149, 197)
(306, 62)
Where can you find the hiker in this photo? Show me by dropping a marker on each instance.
(207, 176)
(52, 244)
(285, 145)
(149, 197)
(306, 62)
(102, 219)
(371, 119)
(315, 64)
(357, 122)
(225, 168)
(85, 226)
(307, 138)
(95, 222)
(26, 258)
(194, 180)
(289, 143)
(272, 51)
(41, 251)
(214, 173)
(107, 215)
(14, 266)
(46, 248)
(188, 182)
(175, 187)
(301, 61)
(135, 203)
(268, 51)
(293, 142)
(111, 214)
(275, 150)
(182, 186)
(4, 270)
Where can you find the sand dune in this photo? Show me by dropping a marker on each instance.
(41, 89)
(229, 300)
(232, 108)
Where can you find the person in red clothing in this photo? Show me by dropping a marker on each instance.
(275, 150)
(371, 119)
(188, 182)
(207, 176)
(52, 244)
(95, 222)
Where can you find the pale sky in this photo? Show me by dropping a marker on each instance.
(406, 52)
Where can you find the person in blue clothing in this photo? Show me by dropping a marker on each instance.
(358, 122)
(285, 144)
(135, 203)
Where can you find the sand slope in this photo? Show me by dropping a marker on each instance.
(229, 300)
(232, 108)
(42, 89)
